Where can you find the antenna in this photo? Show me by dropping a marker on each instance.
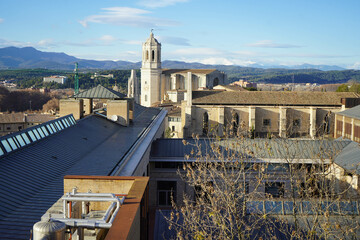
(76, 79)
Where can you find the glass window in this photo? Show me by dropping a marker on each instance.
(20, 140)
(27, 140)
(32, 136)
(49, 129)
(266, 123)
(44, 131)
(36, 134)
(12, 143)
(68, 122)
(40, 132)
(65, 123)
(58, 126)
(16, 141)
(72, 119)
(6, 145)
(61, 125)
(1, 152)
(166, 189)
(53, 127)
(274, 189)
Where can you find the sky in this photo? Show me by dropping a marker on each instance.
(239, 32)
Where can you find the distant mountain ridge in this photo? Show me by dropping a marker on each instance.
(29, 57)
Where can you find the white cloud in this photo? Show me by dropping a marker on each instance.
(159, 3)
(126, 16)
(1, 20)
(107, 38)
(271, 44)
(174, 40)
(216, 61)
(197, 52)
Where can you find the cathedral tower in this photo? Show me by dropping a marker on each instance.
(151, 72)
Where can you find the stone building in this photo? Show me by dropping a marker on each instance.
(348, 124)
(159, 84)
(264, 114)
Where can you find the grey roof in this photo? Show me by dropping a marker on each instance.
(349, 158)
(352, 112)
(304, 149)
(99, 92)
(31, 178)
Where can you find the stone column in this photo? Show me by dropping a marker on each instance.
(282, 122)
(312, 122)
(189, 89)
(252, 118)
(352, 129)
(221, 120)
(88, 106)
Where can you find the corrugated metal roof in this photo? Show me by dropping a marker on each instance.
(31, 179)
(99, 92)
(286, 149)
(352, 112)
(349, 158)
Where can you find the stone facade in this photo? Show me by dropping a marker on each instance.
(159, 84)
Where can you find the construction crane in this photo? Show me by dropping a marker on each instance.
(76, 79)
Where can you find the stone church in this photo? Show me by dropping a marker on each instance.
(158, 85)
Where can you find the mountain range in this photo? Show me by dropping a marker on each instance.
(29, 57)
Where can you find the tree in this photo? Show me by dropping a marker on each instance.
(342, 88)
(241, 195)
(51, 106)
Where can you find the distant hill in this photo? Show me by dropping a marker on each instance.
(29, 58)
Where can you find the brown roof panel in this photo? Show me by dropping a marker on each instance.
(199, 71)
(271, 98)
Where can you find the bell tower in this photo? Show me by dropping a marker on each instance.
(151, 72)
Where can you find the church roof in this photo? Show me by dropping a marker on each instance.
(271, 98)
(152, 40)
(99, 92)
(198, 71)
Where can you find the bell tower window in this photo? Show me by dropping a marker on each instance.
(152, 55)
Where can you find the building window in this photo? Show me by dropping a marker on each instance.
(153, 55)
(274, 189)
(205, 123)
(173, 128)
(166, 190)
(145, 98)
(296, 122)
(266, 122)
(327, 123)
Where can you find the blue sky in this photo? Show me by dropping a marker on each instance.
(242, 32)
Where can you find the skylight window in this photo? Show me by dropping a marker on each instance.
(6, 145)
(32, 136)
(36, 134)
(44, 131)
(12, 143)
(20, 140)
(50, 129)
(40, 132)
(25, 137)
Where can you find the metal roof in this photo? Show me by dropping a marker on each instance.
(279, 149)
(349, 158)
(31, 178)
(352, 112)
(99, 92)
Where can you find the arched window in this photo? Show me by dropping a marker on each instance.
(205, 123)
(235, 123)
(152, 55)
